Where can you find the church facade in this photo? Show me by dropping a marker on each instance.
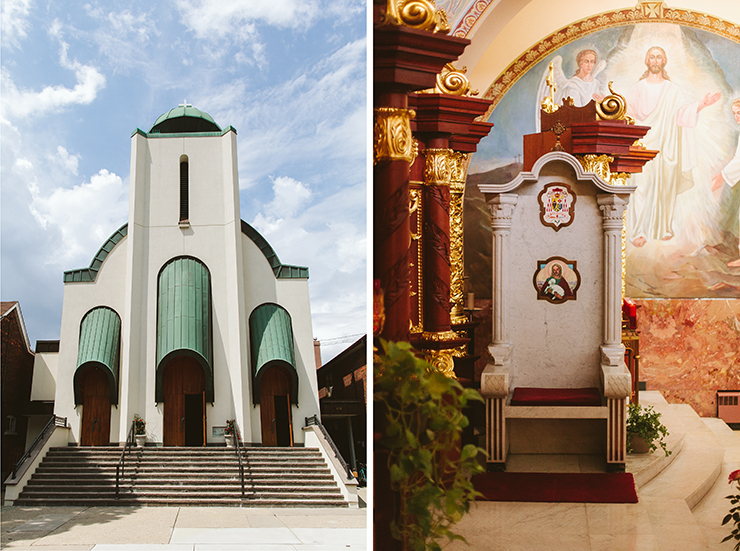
(186, 317)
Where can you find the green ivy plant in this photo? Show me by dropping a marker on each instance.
(420, 424)
(645, 422)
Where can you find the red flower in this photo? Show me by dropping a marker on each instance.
(734, 475)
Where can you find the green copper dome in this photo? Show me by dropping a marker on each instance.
(184, 118)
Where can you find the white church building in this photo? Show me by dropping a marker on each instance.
(186, 316)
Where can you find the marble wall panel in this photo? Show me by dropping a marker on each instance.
(689, 349)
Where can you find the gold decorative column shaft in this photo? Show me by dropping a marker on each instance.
(457, 258)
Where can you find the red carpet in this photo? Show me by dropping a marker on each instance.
(557, 487)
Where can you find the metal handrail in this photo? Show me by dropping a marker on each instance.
(238, 448)
(121, 466)
(314, 420)
(55, 421)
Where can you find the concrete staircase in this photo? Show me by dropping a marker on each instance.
(274, 477)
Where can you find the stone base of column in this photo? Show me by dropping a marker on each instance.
(496, 445)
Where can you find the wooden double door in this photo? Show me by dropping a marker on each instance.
(275, 414)
(184, 388)
(95, 407)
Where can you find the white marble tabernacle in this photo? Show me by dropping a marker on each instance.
(544, 341)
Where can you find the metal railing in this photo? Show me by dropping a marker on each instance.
(54, 422)
(121, 466)
(238, 448)
(314, 420)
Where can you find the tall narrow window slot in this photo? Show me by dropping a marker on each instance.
(184, 214)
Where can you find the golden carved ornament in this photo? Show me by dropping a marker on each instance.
(418, 14)
(619, 178)
(392, 134)
(417, 205)
(457, 260)
(452, 81)
(438, 167)
(613, 107)
(548, 103)
(439, 336)
(598, 164)
(442, 361)
(624, 253)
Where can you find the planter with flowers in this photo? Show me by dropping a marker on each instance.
(734, 514)
(229, 433)
(139, 431)
(645, 432)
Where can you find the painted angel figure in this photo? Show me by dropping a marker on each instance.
(583, 86)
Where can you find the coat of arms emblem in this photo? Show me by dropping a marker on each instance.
(557, 205)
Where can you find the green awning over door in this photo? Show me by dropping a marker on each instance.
(100, 339)
(271, 341)
(184, 318)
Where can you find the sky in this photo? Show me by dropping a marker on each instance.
(78, 78)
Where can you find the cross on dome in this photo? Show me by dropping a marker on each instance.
(185, 104)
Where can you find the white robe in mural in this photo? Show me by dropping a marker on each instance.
(582, 91)
(731, 172)
(671, 119)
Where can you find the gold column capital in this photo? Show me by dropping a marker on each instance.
(392, 138)
(438, 166)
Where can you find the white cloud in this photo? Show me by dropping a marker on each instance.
(125, 39)
(22, 103)
(319, 114)
(14, 21)
(215, 19)
(67, 161)
(86, 215)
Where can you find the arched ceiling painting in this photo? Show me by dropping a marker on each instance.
(689, 230)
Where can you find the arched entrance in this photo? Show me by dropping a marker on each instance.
(275, 414)
(184, 403)
(95, 407)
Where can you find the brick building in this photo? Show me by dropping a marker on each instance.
(16, 360)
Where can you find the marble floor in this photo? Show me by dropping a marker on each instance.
(681, 498)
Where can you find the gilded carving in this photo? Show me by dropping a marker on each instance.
(442, 361)
(437, 168)
(418, 14)
(416, 234)
(392, 137)
(457, 256)
(598, 164)
(457, 268)
(619, 178)
(452, 81)
(548, 103)
(613, 107)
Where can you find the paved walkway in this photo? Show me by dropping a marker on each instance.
(182, 529)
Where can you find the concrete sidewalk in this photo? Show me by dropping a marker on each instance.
(182, 529)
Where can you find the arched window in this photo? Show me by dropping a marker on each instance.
(184, 205)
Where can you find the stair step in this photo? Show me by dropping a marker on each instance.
(275, 477)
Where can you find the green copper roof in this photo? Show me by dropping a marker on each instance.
(184, 318)
(100, 334)
(271, 341)
(184, 118)
(89, 274)
(281, 271)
